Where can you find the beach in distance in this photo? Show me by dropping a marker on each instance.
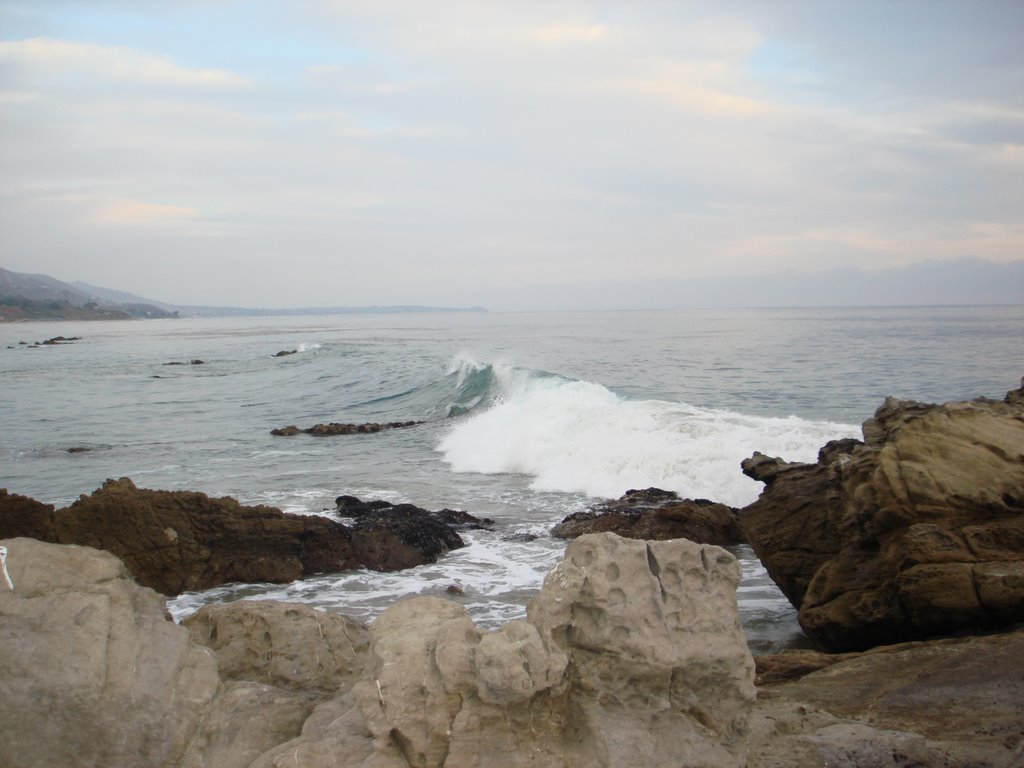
(526, 418)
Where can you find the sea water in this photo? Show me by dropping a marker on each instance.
(528, 417)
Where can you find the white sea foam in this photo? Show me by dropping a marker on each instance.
(307, 347)
(577, 436)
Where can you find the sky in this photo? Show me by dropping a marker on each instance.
(514, 155)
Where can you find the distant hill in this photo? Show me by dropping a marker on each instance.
(117, 297)
(41, 297)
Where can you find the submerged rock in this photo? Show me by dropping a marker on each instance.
(327, 430)
(351, 506)
(916, 532)
(657, 514)
(176, 541)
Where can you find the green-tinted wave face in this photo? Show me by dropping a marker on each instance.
(473, 384)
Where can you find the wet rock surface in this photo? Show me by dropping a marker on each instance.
(328, 430)
(176, 541)
(916, 532)
(658, 515)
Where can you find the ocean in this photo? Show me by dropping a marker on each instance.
(528, 417)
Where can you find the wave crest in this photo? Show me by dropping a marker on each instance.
(578, 436)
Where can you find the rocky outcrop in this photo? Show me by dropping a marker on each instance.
(175, 541)
(93, 673)
(390, 537)
(351, 506)
(590, 679)
(328, 430)
(916, 532)
(941, 704)
(659, 515)
(631, 655)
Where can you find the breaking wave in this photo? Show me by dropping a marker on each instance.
(580, 437)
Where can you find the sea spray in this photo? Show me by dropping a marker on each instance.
(578, 436)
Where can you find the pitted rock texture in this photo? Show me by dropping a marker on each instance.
(95, 675)
(916, 532)
(591, 679)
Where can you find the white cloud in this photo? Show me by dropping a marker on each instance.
(120, 64)
(137, 212)
(556, 34)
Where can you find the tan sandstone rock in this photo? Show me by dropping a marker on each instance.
(632, 655)
(92, 671)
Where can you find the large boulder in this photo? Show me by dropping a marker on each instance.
(916, 532)
(176, 541)
(93, 672)
(657, 515)
(632, 654)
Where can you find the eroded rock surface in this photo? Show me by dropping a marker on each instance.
(658, 515)
(918, 531)
(591, 679)
(631, 656)
(93, 672)
(941, 704)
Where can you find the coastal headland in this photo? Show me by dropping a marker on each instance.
(903, 553)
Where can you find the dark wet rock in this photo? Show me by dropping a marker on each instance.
(657, 514)
(351, 506)
(78, 449)
(327, 430)
(397, 538)
(523, 538)
(916, 532)
(176, 541)
(286, 352)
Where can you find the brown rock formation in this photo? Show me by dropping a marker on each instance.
(942, 704)
(918, 531)
(175, 541)
(658, 515)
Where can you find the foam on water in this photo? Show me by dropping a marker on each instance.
(577, 436)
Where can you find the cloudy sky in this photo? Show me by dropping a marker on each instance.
(517, 155)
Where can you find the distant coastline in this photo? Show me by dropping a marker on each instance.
(25, 297)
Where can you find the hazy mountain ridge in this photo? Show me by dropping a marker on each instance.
(41, 297)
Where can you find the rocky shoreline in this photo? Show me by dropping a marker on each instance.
(903, 553)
